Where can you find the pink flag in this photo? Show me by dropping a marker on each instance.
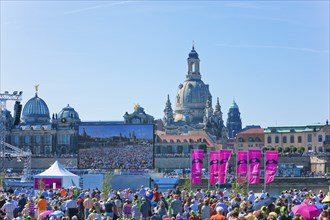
(224, 160)
(196, 166)
(241, 166)
(271, 165)
(214, 167)
(254, 166)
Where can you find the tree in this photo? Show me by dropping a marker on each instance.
(106, 187)
(286, 150)
(264, 149)
(301, 150)
(272, 148)
(280, 149)
(294, 149)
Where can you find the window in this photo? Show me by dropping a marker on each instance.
(15, 140)
(63, 139)
(291, 139)
(251, 139)
(38, 139)
(180, 149)
(258, 139)
(277, 139)
(327, 137)
(48, 139)
(240, 139)
(284, 139)
(269, 140)
(309, 138)
(169, 149)
(299, 139)
(27, 140)
(320, 138)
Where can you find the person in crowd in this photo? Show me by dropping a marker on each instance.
(219, 215)
(176, 206)
(88, 205)
(41, 205)
(9, 208)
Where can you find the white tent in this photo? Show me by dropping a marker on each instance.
(56, 174)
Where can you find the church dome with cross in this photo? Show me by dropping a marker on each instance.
(192, 93)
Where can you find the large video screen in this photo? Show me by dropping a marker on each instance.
(115, 146)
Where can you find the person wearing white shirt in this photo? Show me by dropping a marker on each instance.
(9, 208)
(225, 194)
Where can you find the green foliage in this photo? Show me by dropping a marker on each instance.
(294, 149)
(106, 187)
(186, 184)
(286, 149)
(2, 178)
(301, 150)
(280, 149)
(272, 148)
(264, 149)
(239, 186)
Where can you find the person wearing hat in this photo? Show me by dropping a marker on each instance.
(193, 215)
(219, 215)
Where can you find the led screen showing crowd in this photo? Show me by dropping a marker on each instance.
(115, 146)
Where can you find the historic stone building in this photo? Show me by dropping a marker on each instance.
(313, 138)
(42, 135)
(234, 122)
(193, 106)
(138, 116)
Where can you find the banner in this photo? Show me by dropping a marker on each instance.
(197, 157)
(224, 161)
(241, 166)
(271, 166)
(214, 167)
(254, 166)
(47, 183)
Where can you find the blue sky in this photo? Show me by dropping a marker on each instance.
(102, 57)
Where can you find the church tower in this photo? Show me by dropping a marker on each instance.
(192, 94)
(168, 113)
(234, 122)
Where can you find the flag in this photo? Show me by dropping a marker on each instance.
(241, 166)
(271, 166)
(224, 161)
(254, 166)
(214, 167)
(197, 166)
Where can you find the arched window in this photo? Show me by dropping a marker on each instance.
(284, 139)
(309, 138)
(251, 139)
(240, 139)
(269, 139)
(291, 139)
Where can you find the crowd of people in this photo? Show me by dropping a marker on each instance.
(123, 157)
(145, 203)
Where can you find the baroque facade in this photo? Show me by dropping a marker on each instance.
(42, 135)
(193, 107)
